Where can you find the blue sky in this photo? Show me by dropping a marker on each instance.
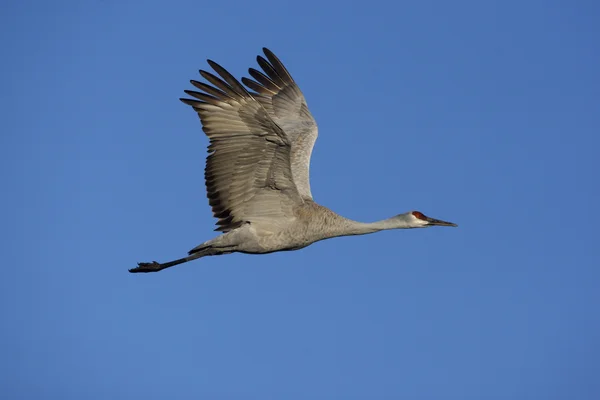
(481, 113)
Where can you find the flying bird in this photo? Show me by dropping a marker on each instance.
(257, 171)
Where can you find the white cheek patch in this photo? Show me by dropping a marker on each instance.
(421, 223)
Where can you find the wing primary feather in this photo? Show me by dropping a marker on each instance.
(264, 80)
(210, 90)
(204, 97)
(257, 87)
(235, 85)
(219, 83)
(194, 103)
(270, 71)
(278, 66)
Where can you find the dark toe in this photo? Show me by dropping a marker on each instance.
(146, 267)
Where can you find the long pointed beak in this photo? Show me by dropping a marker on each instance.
(433, 221)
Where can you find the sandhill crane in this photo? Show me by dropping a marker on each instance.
(256, 172)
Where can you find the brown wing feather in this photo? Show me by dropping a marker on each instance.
(248, 171)
(281, 97)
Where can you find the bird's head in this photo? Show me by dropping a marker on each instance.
(420, 220)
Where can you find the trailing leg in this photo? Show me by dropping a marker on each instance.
(236, 240)
(155, 267)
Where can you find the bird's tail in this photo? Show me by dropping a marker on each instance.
(206, 249)
(199, 248)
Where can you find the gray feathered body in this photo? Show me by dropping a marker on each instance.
(309, 223)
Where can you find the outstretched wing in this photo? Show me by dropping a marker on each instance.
(248, 171)
(281, 97)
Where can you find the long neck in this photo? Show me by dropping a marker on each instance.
(324, 223)
(362, 228)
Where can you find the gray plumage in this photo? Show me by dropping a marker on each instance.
(257, 170)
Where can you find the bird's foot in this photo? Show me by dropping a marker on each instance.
(147, 267)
